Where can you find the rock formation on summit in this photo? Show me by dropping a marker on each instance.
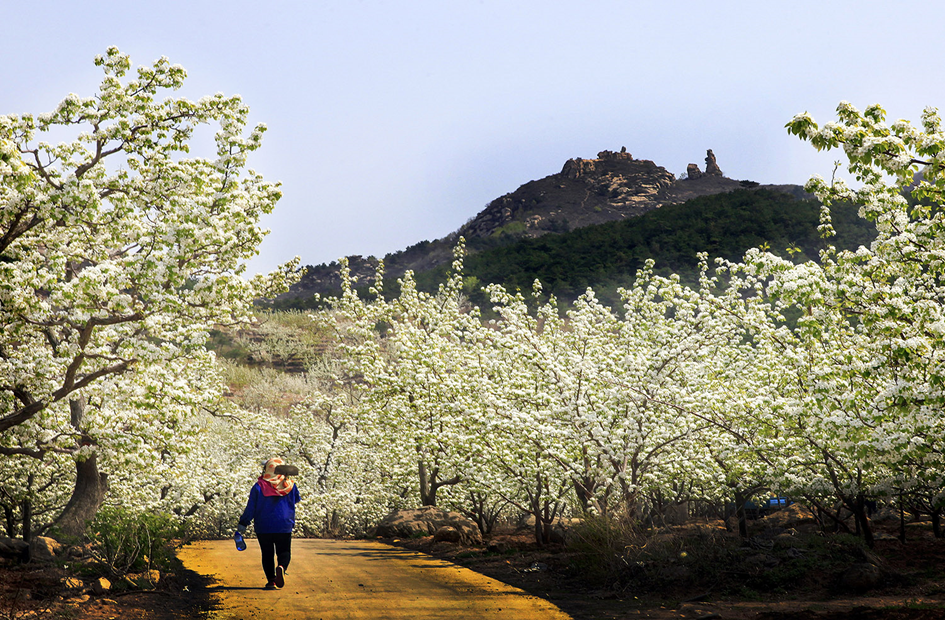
(710, 166)
(577, 167)
(586, 191)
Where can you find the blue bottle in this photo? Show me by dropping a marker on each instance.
(240, 543)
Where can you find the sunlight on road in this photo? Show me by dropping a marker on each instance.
(330, 579)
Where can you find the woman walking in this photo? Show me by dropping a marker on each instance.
(271, 507)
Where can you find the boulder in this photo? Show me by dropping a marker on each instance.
(79, 551)
(101, 586)
(693, 172)
(760, 562)
(150, 577)
(559, 534)
(576, 168)
(786, 539)
(787, 518)
(43, 549)
(73, 583)
(14, 549)
(711, 167)
(862, 577)
(447, 533)
(425, 522)
(610, 155)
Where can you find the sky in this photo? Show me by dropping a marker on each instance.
(394, 122)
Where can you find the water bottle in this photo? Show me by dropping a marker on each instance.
(240, 543)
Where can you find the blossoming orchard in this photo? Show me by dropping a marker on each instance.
(821, 381)
(117, 253)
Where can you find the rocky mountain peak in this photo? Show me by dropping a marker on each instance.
(576, 168)
(711, 167)
(592, 191)
(613, 186)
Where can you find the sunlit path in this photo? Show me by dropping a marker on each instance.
(330, 579)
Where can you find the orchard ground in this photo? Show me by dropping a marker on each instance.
(914, 586)
(801, 580)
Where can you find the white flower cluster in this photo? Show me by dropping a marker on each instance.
(118, 253)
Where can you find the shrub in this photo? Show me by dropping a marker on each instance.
(601, 545)
(125, 542)
(620, 554)
(511, 229)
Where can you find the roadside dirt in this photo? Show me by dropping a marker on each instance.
(43, 592)
(914, 588)
(914, 591)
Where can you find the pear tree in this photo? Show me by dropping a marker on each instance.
(118, 252)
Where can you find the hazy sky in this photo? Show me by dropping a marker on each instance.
(394, 122)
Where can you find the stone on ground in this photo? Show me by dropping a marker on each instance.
(425, 522)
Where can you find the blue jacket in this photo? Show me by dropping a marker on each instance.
(272, 514)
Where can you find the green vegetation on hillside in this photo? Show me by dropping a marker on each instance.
(607, 256)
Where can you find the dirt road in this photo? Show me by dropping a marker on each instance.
(331, 579)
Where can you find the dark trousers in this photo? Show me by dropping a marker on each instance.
(279, 545)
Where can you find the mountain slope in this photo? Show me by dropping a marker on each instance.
(586, 192)
(608, 255)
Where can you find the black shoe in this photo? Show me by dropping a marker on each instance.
(280, 577)
(269, 586)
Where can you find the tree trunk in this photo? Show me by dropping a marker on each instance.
(430, 483)
(478, 511)
(539, 538)
(11, 521)
(28, 509)
(27, 519)
(740, 499)
(427, 490)
(90, 486)
(87, 498)
(535, 500)
(902, 520)
(862, 521)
